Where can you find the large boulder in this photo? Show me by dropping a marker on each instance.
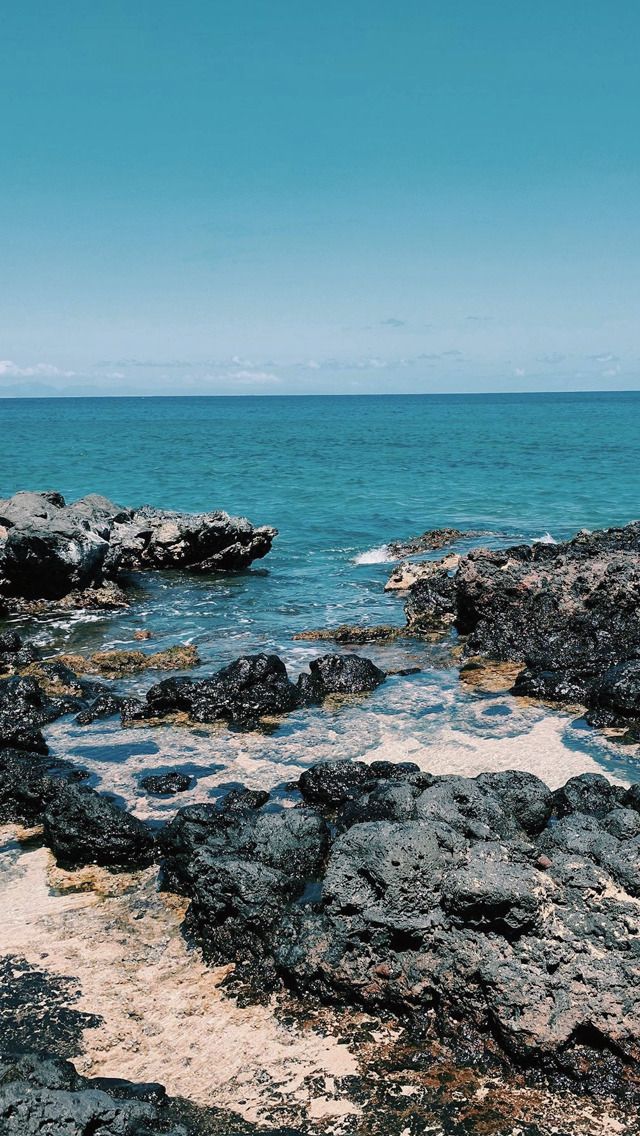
(49, 550)
(82, 827)
(492, 910)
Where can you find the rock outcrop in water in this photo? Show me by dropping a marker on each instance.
(570, 612)
(431, 541)
(254, 687)
(50, 550)
(491, 911)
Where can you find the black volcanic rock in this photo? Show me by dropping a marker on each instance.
(49, 550)
(570, 612)
(254, 687)
(104, 706)
(42, 1095)
(490, 909)
(166, 784)
(27, 784)
(82, 827)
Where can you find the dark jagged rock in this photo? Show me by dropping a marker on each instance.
(24, 708)
(166, 784)
(589, 793)
(524, 795)
(490, 909)
(49, 550)
(345, 674)
(349, 634)
(431, 604)
(28, 702)
(25, 786)
(82, 827)
(254, 687)
(333, 782)
(431, 541)
(570, 611)
(42, 1095)
(104, 706)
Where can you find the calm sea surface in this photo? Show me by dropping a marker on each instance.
(339, 477)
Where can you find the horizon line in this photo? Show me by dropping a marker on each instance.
(321, 394)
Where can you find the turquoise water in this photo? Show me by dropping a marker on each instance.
(339, 477)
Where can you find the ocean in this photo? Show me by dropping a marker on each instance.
(339, 477)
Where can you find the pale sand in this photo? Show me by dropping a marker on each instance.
(165, 1016)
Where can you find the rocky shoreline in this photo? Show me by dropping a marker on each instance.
(495, 920)
(570, 612)
(78, 555)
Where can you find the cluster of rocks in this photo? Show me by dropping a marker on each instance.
(431, 541)
(497, 913)
(254, 687)
(50, 550)
(35, 690)
(570, 612)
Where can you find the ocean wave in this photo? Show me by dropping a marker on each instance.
(379, 555)
(546, 538)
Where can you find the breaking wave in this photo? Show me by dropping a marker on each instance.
(379, 555)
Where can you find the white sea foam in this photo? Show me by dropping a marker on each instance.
(379, 555)
(547, 538)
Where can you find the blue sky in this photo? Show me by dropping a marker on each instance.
(268, 196)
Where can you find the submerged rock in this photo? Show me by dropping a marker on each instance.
(430, 541)
(166, 784)
(118, 664)
(50, 550)
(490, 910)
(347, 633)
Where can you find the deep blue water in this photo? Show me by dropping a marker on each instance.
(339, 477)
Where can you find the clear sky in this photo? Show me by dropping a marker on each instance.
(275, 196)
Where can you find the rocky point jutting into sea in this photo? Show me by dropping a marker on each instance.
(386, 946)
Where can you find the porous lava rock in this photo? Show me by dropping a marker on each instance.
(489, 910)
(570, 612)
(166, 784)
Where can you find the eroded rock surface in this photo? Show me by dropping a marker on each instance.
(488, 909)
(570, 612)
(50, 550)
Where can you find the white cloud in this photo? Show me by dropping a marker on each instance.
(519, 372)
(38, 370)
(606, 357)
(254, 376)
